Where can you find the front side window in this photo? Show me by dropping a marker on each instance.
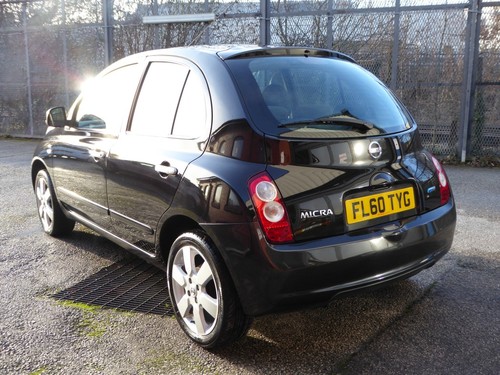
(316, 97)
(105, 104)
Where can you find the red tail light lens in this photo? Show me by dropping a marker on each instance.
(270, 209)
(444, 184)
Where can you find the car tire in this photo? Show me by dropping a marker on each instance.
(53, 220)
(202, 293)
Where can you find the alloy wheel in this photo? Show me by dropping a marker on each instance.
(45, 203)
(195, 291)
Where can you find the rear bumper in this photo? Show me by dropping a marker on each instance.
(273, 278)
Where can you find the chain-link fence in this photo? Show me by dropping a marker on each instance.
(442, 58)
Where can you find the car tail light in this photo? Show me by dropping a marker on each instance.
(270, 209)
(444, 184)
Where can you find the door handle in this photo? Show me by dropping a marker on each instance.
(165, 170)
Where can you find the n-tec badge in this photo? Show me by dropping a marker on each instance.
(375, 150)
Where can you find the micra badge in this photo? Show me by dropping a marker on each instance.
(308, 214)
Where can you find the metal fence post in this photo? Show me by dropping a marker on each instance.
(107, 16)
(65, 53)
(28, 68)
(469, 82)
(329, 26)
(206, 36)
(395, 47)
(156, 31)
(265, 22)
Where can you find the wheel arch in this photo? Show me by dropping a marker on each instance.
(172, 228)
(36, 166)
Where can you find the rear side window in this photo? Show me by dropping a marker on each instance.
(171, 102)
(158, 99)
(192, 112)
(285, 95)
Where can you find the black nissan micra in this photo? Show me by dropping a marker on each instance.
(261, 179)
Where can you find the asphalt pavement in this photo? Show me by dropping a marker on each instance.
(445, 320)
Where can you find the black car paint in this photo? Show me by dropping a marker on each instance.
(144, 210)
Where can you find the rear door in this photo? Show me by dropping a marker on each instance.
(169, 123)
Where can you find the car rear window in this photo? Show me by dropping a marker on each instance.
(316, 97)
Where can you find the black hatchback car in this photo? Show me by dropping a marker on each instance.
(261, 179)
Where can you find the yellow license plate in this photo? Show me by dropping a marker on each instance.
(379, 205)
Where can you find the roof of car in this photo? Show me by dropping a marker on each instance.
(227, 52)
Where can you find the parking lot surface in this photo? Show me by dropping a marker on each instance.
(445, 320)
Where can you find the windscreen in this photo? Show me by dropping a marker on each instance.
(316, 97)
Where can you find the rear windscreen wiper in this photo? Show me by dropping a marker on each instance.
(336, 119)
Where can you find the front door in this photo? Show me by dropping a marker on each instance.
(80, 153)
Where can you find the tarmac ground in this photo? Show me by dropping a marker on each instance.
(445, 320)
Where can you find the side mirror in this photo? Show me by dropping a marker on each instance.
(56, 117)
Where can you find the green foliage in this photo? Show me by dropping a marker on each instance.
(80, 306)
(90, 324)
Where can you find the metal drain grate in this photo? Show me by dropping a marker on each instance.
(132, 286)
